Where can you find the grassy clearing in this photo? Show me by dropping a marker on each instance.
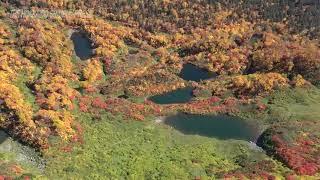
(296, 104)
(135, 150)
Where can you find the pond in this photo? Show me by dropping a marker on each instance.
(217, 126)
(191, 72)
(21, 153)
(82, 45)
(182, 95)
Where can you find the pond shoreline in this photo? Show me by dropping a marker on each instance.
(81, 43)
(213, 126)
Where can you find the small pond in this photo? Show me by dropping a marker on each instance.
(82, 45)
(191, 72)
(21, 153)
(217, 126)
(182, 95)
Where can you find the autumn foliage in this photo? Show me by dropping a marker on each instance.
(44, 45)
(299, 152)
(93, 71)
(139, 49)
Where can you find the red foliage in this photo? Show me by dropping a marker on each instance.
(235, 175)
(136, 116)
(256, 170)
(290, 177)
(72, 97)
(78, 136)
(148, 102)
(197, 178)
(214, 99)
(84, 103)
(98, 103)
(83, 107)
(40, 98)
(297, 157)
(67, 149)
(91, 89)
(307, 169)
(239, 175)
(261, 107)
(217, 108)
(107, 63)
(230, 102)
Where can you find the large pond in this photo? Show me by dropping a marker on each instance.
(217, 126)
(191, 72)
(21, 153)
(82, 45)
(183, 95)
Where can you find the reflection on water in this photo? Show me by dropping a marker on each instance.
(183, 95)
(217, 126)
(82, 45)
(191, 72)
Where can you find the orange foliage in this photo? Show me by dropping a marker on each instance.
(46, 44)
(57, 92)
(4, 33)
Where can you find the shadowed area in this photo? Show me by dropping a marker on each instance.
(3, 136)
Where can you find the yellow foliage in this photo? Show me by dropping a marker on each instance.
(11, 63)
(4, 33)
(157, 40)
(93, 71)
(14, 100)
(105, 36)
(299, 81)
(220, 16)
(271, 39)
(258, 83)
(222, 36)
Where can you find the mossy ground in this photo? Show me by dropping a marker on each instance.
(298, 104)
(113, 148)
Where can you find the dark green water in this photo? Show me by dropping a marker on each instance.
(191, 72)
(183, 95)
(217, 126)
(82, 45)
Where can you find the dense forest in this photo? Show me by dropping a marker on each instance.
(95, 117)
